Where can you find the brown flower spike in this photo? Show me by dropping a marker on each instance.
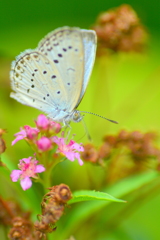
(120, 29)
(52, 206)
(2, 142)
(124, 154)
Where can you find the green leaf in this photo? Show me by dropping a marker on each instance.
(120, 189)
(87, 195)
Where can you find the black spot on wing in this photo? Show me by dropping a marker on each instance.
(53, 76)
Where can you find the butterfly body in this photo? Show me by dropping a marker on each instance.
(53, 77)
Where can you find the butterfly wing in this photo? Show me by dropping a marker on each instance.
(69, 51)
(90, 44)
(30, 79)
(49, 78)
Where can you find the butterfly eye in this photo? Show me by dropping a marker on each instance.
(77, 116)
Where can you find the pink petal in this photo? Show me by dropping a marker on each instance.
(80, 161)
(20, 137)
(70, 155)
(31, 133)
(26, 160)
(77, 147)
(55, 127)
(39, 169)
(42, 122)
(56, 140)
(71, 142)
(15, 175)
(44, 144)
(22, 132)
(77, 155)
(26, 183)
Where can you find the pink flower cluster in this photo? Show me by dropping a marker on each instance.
(69, 150)
(28, 168)
(43, 140)
(44, 126)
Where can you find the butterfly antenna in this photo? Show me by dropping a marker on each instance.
(100, 116)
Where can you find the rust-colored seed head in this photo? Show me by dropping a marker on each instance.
(2, 131)
(110, 139)
(90, 153)
(2, 142)
(22, 229)
(62, 193)
(120, 29)
(124, 154)
(104, 151)
(53, 206)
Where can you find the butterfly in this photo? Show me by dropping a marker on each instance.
(54, 76)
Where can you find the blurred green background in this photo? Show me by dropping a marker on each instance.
(124, 87)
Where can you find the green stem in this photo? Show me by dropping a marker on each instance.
(47, 175)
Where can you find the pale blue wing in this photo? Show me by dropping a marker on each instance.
(89, 44)
(50, 77)
(65, 46)
(35, 82)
